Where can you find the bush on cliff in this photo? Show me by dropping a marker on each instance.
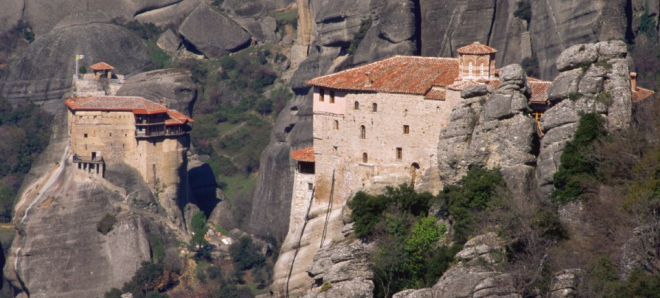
(106, 224)
(577, 165)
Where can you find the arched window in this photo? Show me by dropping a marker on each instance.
(481, 71)
(470, 70)
(363, 132)
(336, 125)
(365, 157)
(374, 107)
(357, 105)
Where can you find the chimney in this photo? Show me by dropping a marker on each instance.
(368, 74)
(633, 81)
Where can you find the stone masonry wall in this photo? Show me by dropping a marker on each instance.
(112, 135)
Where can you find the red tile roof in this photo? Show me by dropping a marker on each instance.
(398, 74)
(436, 93)
(641, 94)
(137, 105)
(476, 49)
(306, 155)
(101, 66)
(459, 85)
(539, 91)
(176, 118)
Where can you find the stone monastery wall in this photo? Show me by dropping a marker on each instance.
(111, 135)
(372, 140)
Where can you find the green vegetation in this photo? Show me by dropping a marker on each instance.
(198, 243)
(145, 284)
(359, 36)
(604, 97)
(326, 286)
(106, 224)
(524, 11)
(576, 167)
(477, 192)
(286, 18)
(246, 255)
(82, 70)
(159, 58)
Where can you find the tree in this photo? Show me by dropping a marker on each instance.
(198, 243)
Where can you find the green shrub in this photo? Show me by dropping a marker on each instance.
(106, 224)
(246, 254)
(113, 293)
(573, 96)
(286, 17)
(157, 249)
(604, 97)
(147, 31)
(478, 188)
(360, 35)
(325, 287)
(576, 165)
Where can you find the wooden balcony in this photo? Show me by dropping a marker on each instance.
(87, 159)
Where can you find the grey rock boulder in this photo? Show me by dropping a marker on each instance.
(43, 73)
(345, 267)
(565, 283)
(613, 49)
(169, 42)
(576, 56)
(225, 36)
(173, 86)
(565, 84)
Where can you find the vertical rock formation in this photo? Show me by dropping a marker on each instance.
(592, 78)
(491, 130)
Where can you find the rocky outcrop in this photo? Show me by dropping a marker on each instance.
(558, 25)
(341, 270)
(272, 198)
(226, 36)
(475, 275)
(173, 86)
(491, 128)
(169, 42)
(565, 284)
(45, 15)
(43, 73)
(56, 218)
(640, 252)
(593, 78)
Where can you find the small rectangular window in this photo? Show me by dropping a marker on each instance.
(332, 96)
(310, 186)
(399, 153)
(321, 95)
(406, 129)
(335, 149)
(85, 135)
(336, 125)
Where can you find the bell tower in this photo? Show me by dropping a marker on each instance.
(476, 61)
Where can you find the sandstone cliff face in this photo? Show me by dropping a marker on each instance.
(173, 86)
(555, 25)
(58, 251)
(491, 130)
(44, 72)
(587, 71)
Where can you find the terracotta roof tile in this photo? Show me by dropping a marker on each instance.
(539, 91)
(306, 155)
(398, 74)
(101, 66)
(641, 94)
(459, 85)
(476, 49)
(177, 118)
(436, 93)
(137, 105)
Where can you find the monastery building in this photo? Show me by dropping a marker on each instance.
(143, 134)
